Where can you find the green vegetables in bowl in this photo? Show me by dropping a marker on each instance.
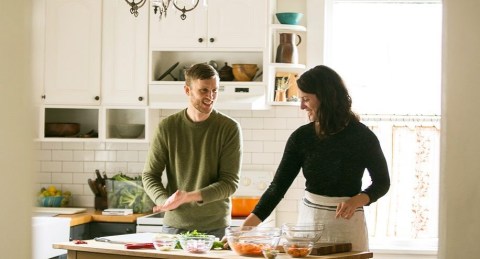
(125, 192)
(217, 245)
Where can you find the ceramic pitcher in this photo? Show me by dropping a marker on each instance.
(287, 51)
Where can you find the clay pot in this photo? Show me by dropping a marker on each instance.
(226, 73)
(244, 72)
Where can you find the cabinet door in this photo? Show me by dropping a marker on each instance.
(237, 23)
(173, 32)
(72, 51)
(124, 54)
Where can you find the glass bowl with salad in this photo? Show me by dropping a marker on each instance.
(196, 242)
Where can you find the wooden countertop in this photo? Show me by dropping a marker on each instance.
(94, 249)
(94, 215)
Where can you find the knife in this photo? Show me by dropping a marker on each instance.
(127, 245)
(93, 187)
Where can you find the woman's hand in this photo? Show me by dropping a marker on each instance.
(347, 208)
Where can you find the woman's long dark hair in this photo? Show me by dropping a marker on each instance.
(334, 111)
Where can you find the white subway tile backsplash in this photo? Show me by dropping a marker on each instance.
(287, 112)
(127, 156)
(43, 178)
(116, 146)
(72, 167)
(135, 168)
(105, 155)
(138, 146)
(59, 178)
(90, 167)
(275, 123)
(95, 146)
(62, 155)
(84, 155)
(252, 123)
(262, 158)
(252, 146)
(263, 135)
(264, 113)
(273, 146)
(51, 166)
(82, 178)
(72, 145)
(44, 155)
(113, 168)
(52, 145)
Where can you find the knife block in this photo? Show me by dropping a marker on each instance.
(101, 203)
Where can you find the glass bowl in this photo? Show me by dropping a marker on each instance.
(196, 244)
(164, 242)
(303, 232)
(298, 249)
(249, 241)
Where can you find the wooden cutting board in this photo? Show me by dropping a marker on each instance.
(59, 210)
(331, 248)
(327, 248)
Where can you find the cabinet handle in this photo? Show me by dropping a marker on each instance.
(140, 98)
(128, 230)
(212, 39)
(97, 98)
(43, 96)
(200, 40)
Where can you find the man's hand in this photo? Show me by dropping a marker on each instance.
(177, 199)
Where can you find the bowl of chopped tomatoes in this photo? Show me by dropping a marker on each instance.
(298, 249)
(249, 241)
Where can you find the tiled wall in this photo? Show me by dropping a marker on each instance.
(69, 164)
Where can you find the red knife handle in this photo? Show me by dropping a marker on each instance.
(139, 245)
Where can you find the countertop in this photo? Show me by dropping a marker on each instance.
(94, 215)
(94, 249)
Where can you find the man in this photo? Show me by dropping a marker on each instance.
(200, 151)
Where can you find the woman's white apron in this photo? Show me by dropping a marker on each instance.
(321, 209)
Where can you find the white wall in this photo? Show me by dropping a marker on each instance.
(15, 132)
(460, 171)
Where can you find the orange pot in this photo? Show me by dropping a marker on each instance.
(243, 206)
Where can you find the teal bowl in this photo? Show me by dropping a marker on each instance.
(289, 18)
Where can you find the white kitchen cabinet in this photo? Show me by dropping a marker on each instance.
(220, 24)
(124, 55)
(72, 52)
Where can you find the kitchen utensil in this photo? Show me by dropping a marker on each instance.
(298, 249)
(289, 18)
(139, 245)
(129, 130)
(169, 72)
(196, 244)
(93, 187)
(287, 51)
(165, 242)
(99, 177)
(242, 206)
(244, 72)
(60, 129)
(107, 240)
(303, 232)
(249, 241)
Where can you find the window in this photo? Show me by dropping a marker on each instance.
(389, 54)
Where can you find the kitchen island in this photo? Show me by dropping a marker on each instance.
(94, 250)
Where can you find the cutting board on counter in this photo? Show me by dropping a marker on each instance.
(59, 210)
(328, 248)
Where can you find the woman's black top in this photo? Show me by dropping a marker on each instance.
(333, 166)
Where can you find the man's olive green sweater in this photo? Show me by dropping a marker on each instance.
(204, 156)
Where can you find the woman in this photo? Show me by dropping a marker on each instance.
(333, 151)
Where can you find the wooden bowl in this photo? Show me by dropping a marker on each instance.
(61, 129)
(244, 72)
